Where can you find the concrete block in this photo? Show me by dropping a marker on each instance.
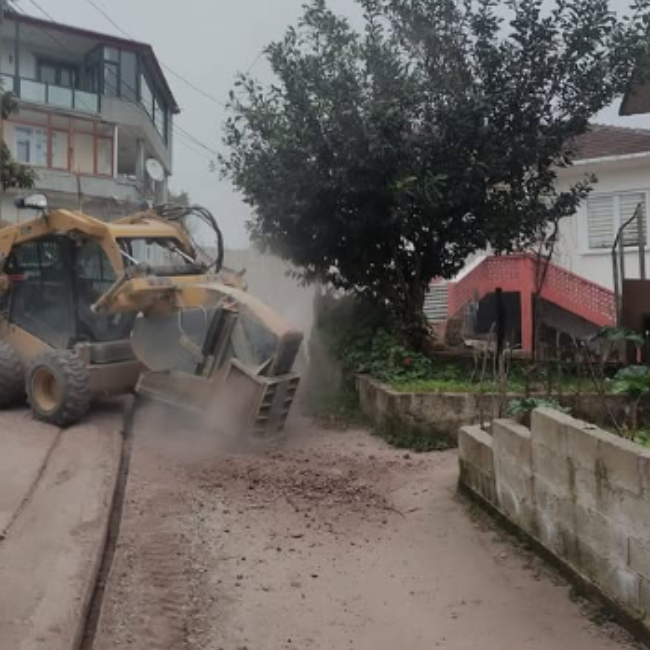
(644, 471)
(551, 533)
(620, 462)
(639, 558)
(555, 469)
(513, 440)
(547, 500)
(629, 512)
(617, 581)
(480, 482)
(514, 499)
(554, 518)
(487, 488)
(550, 429)
(582, 444)
(605, 536)
(475, 447)
(624, 586)
(587, 489)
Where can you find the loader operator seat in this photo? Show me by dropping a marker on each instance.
(94, 276)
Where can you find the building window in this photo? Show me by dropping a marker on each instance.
(606, 213)
(57, 142)
(129, 76)
(31, 145)
(146, 96)
(57, 74)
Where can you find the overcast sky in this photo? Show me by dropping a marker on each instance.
(208, 41)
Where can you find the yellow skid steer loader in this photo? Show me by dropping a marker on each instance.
(91, 309)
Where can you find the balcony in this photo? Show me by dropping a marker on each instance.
(36, 92)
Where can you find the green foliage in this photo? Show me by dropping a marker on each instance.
(180, 198)
(619, 334)
(633, 381)
(13, 174)
(643, 438)
(378, 159)
(524, 407)
(360, 336)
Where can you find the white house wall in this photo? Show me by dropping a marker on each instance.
(573, 251)
(27, 63)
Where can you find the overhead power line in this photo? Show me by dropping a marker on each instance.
(178, 75)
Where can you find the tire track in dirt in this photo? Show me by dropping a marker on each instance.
(4, 533)
(145, 604)
(113, 531)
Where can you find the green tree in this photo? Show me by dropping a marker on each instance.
(179, 198)
(380, 159)
(13, 174)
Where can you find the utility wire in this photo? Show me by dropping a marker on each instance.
(196, 141)
(179, 76)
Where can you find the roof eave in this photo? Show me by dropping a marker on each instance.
(609, 159)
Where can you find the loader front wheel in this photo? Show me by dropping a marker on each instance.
(58, 387)
(12, 376)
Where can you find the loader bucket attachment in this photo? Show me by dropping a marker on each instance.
(238, 403)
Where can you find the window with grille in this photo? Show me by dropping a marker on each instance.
(606, 213)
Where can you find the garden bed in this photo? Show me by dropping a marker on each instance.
(441, 414)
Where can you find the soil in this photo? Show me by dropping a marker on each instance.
(325, 540)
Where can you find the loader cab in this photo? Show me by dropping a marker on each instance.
(54, 283)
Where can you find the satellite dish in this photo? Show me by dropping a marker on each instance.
(155, 170)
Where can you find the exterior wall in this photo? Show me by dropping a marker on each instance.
(116, 111)
(445, 413)
(573, 252)
(580, 492)
(26, 63)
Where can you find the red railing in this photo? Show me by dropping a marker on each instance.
(519, 273)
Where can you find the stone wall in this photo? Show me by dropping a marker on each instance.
(446, 412)
(581, 492)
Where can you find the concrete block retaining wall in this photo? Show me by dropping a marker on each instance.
(445, 413)
(581, 492)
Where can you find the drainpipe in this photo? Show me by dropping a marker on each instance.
(162, 194)
(617, 285)
(641, 232)
(140, 161)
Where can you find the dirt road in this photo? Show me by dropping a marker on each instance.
(329, 541)
(56, 490)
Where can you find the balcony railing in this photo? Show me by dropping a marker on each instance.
(37, 92)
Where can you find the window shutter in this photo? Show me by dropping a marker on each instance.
(600, 221)
(628, 205)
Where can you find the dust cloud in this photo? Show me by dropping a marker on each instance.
(216, 429)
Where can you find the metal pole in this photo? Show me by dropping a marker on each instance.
(621, 250)
(641, 228)
(617, 285)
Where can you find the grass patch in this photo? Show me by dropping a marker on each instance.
(438, 386)
(455, 378)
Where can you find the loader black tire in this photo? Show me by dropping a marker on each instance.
(12, 376)
(58, 387)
